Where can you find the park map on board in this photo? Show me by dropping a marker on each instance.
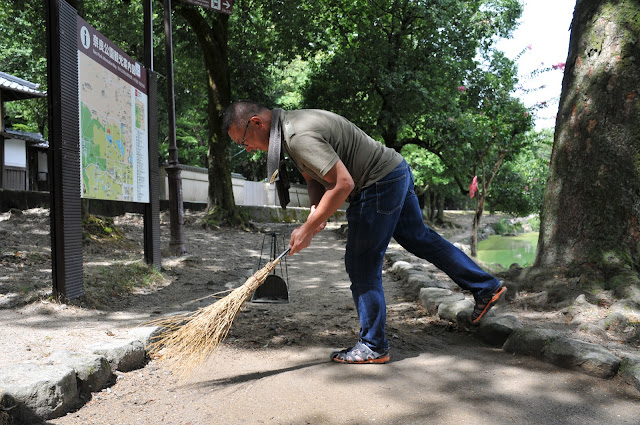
(112, 118)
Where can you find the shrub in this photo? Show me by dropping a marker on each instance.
(535, 223)
(504, 227)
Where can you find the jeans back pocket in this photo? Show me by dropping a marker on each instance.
(390, 194)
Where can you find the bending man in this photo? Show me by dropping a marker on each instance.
(340, 162)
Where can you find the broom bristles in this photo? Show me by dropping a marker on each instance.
(188, 339)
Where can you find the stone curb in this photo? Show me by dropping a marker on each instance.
(507, 332)
(31, 393)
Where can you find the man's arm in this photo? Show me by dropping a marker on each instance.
(326, 201)
(314, 188)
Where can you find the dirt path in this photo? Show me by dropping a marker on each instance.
(274, 367)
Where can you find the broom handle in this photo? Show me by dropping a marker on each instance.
(277, 260)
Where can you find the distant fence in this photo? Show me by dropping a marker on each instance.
(195, 184)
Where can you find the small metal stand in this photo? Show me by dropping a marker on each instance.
(275, 289)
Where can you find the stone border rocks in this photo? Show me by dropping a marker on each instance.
(31, 393)
(506, 331)
(583, 356)
(630, 370)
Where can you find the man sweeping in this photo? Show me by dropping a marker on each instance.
(340, 162)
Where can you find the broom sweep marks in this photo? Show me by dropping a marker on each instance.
(189, 339)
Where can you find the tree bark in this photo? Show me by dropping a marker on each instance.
(591, 211)
(432, 205)
(213, 43)
(440, 216)
(476, 224)
(481, 198)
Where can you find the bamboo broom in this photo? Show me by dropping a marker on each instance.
(189, 339)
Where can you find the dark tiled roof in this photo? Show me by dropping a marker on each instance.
(35, 139)
(14, 88)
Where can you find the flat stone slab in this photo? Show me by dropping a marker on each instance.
(401, 269)
(35, 392)
(530, 341)
(92, 370)
(496, 330)
(451, 310)
(431, 298)
(589, 358)
(394, 256)
(418, 279)
(630, 370)
(122, 355)
(145, 334)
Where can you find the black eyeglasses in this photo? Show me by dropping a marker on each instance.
(242, 143)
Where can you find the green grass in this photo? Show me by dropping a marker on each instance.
(104, 283)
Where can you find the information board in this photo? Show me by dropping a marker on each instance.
(113, 108)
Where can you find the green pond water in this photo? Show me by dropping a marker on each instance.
(506, 250)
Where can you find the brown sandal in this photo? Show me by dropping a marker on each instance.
(483, 305)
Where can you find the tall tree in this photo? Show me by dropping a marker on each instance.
(519, 186)
(432, 183)
(411, 73)
(270, 45)
(392, 64)
(591, 212)
(211, 31)
(489, 131)
(266, 37)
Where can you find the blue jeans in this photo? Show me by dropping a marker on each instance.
(385, 209)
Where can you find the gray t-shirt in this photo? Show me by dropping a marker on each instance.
(316, 139)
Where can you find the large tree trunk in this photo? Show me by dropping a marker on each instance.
(220, 193)
(591, 211)
(213, 43)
